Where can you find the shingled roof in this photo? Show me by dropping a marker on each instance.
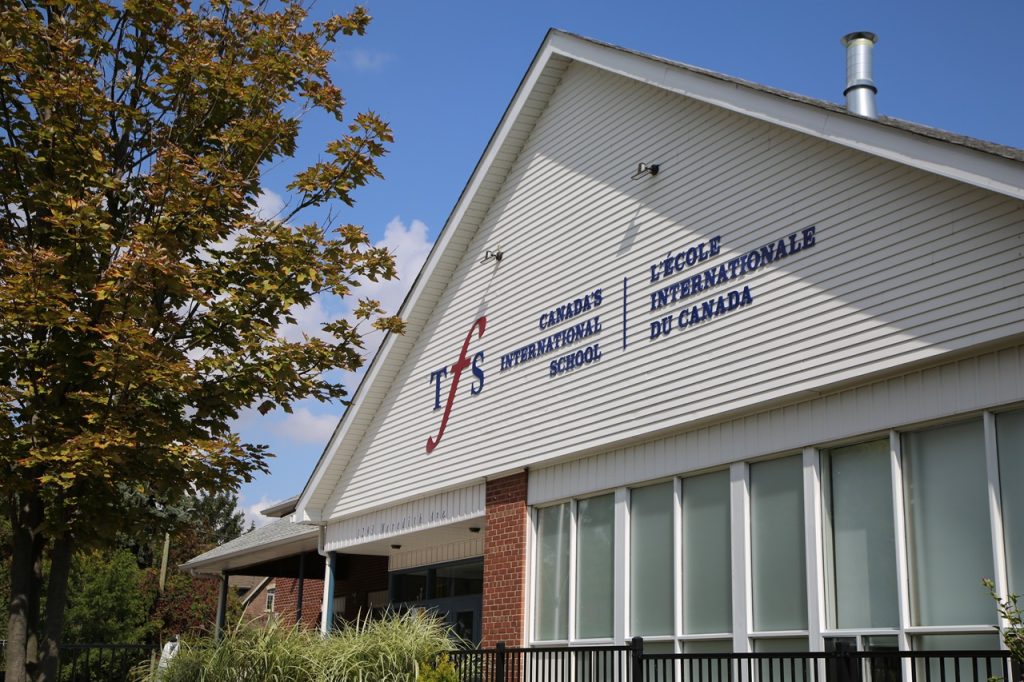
(918, 129)
(282, 533)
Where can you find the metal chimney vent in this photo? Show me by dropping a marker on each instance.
(860, 85)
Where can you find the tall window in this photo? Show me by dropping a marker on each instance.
(552, 602)
(650, 559)
(595, 557)
(270, 599)
(949, 537)
(707, 561)
(777, 545)
(859, 537)
(1010, 439)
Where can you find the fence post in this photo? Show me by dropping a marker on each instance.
(636, 654)
(499, 663)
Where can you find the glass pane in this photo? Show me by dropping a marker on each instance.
(840, 644)
(846, 668)
(881, 643)
(659, 647)
(949, 540)
(965, 642)
(659, 668)
(459, 580)
(949, 668)
(595, 555)
(860, 535)
(775, 666)
(552, 605)
(781, 645)
(710, 668)
(1010, 438)
(592, 665)
(409, 586)
(777, 545)
(707, 566)
(708, 646)
(650, 560)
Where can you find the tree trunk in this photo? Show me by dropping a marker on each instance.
(26, 579)
(56, 600)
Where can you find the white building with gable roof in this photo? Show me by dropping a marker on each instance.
(702, 361)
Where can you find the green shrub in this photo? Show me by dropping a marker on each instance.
(441, 671)
(386, 650)
(1013, 617)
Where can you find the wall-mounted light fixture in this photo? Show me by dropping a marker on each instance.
(497, 254)
(474, 529)
(396, 547)
(643, 169)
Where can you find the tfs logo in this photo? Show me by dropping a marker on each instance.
(460, 365)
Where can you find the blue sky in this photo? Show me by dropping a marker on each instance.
(442, 74)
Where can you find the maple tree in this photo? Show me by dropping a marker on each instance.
(141, 297)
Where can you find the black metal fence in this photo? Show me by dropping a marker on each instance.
(97, 662)
(632, 664)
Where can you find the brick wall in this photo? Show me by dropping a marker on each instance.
(285, 598)
(257, 612)
(359, 575)
(505, 562)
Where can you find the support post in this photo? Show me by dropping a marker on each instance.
(636, 654)
(298, 593)
(327, 609)
(499, 663)
(222, 607)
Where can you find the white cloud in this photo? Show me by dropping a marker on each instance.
(309, 321)
(269, 205)
(410, 246)
(253, 515)
(369, 60)
(304, 426)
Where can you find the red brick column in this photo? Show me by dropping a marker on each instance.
(504, 606)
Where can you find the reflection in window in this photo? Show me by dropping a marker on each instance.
(946, 668)
(949, 537)
(1010, 439)
(777, 545)
(650, 559)
(459, 580)
(782, 668)
(410, 586)
(859, 537)
(707, 562)
(552, 603)
(595, 541)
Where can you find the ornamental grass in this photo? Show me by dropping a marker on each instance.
(392, 649)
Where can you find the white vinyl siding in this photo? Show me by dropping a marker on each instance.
(907, 266)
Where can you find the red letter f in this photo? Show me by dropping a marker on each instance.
(462, 363)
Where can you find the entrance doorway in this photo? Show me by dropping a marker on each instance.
(453, 591)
